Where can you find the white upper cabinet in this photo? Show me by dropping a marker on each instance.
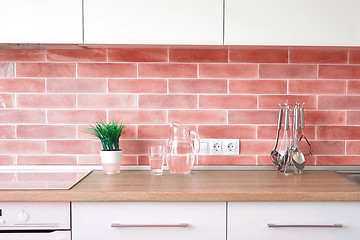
(292, 22)
(41, 21)
(196, 22)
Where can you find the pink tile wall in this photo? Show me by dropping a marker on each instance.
(51, 95)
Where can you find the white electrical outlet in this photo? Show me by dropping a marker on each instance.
(219, 147)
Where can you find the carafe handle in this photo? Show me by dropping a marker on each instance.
(196, 138)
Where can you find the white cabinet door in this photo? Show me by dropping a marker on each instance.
(292, 22)
(153, 22)
(41, 21)
(294, 220)
(160, 221)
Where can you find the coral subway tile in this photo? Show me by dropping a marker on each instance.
(106, 70)
(318, 55)
(22, 85)
(222, 70)
(7, 101)
(227, 102)
(138, 54)
(353, 118)
(198, 86)
(46, 160)
(18, 116)
(74, 85)
(76, 55)
(324, 117)
(292, 71)
(153, 101)
(154, 131)
(73, 146)
(228, 131)
(353, 87)
(253, 86)
(317, 87)
(338, 160)
(353, 147)
(46, 132)
(45, 69)
(22, 146)
(354, 55)
(253, 147)
(45, 100)
(114, 101)
(339, 71)
(157, 131)
(22, 55)
(7, 131)
(7, 69)
(166, 70)
(137, 85)
(252, 117)
(139, 116)
(259, 55)
(198, 116)
(325, 147)
(89, 159)
(139, 146)
(339, 102)
(338, 132)
(75, 116)
(198, 55)
(7, 159)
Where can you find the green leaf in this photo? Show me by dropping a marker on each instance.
(108, 133)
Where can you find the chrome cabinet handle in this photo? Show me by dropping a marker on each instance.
(118, 225)
(304, 226)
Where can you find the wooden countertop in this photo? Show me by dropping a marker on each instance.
(205, 186)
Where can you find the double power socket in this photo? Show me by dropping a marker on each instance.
(219, 147)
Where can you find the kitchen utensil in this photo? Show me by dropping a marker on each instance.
(302, 124)
(284, 149)
(182, 149)
(298, 159)
(275, 155)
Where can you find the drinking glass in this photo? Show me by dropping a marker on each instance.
(156, 156)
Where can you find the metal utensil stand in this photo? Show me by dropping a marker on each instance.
(290, 160)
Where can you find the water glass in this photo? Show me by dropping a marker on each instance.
(156, 156)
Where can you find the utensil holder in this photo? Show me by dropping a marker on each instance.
(289, 142)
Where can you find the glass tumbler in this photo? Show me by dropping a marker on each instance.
(156, 156)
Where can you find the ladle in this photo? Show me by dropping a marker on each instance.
(275, 155)
(297, 157)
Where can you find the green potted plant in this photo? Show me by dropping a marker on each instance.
(109, 135)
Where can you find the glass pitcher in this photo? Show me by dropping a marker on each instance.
(182, 149)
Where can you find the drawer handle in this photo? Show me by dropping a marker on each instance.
(304, 226)
(118, 225)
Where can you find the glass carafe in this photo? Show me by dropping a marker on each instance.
(182, 149)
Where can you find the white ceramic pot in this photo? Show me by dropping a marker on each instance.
(111, 161)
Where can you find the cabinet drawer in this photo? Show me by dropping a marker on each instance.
(289, 220)
(160, 221)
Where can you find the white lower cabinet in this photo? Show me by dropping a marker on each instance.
(149, 220)
(293, 220)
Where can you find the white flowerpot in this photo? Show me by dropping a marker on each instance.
(111, 161)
